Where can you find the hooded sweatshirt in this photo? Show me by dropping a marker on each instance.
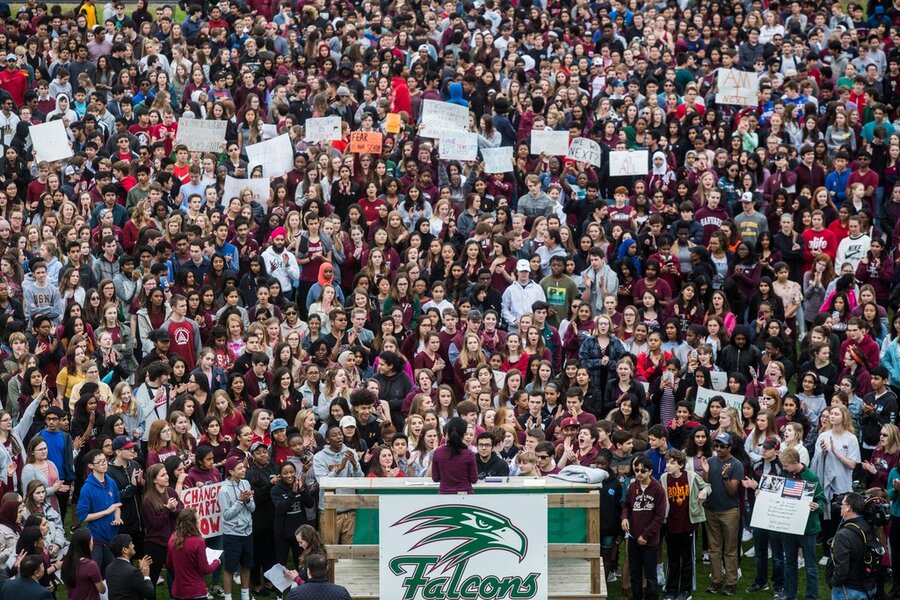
(96, 497)
(456, 92)
(740, 358)
(237, 516)
(41, 300)
(67, 112)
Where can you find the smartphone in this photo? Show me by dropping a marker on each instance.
(163, 282)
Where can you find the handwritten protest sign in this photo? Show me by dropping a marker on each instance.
(440, 116)
(782, 505)
(736, 87)
(585, 150)
(552, 143)
(393, 123)
(321, 129)
(498, 160)
(234, 187)
(628, 162)
(202, 135)
(269, 131)
(704, 395)
(458, 145)
(719, 380)
(276, 155)
(50, 141)
(205, 500)
(363, 142)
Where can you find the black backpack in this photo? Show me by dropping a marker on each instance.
(873, 553)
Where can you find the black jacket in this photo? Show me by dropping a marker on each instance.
(494, 467)
(125, 582)
(29, 589)
(290, 507)
(130, 496)
(847, 553)
(319, 589)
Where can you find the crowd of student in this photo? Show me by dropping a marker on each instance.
(401, 315)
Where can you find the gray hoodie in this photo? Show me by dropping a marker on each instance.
(237, 516)
(41, 300)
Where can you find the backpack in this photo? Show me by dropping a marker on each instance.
(873, 553)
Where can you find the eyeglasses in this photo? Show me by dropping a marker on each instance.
(100, 463)
(543, 456)
(641, 470)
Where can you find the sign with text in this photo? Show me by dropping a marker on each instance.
(276, 155)
(258, 187)
(322, 129)
(719, 380)
(585, 150)
(205, 500)
(202, 135)
(551, 143)
(736, 87)
(440, 116)
(440, 546)
(458, 145)
(782, 504)
(628, 162)
(50, 141)
(498, 160)
(393, 123)
(365, 142)
(704, 395)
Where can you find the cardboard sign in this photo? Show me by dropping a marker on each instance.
(276, 155)
(440, 116)
(205, 500)
(498, 160)
(201, 135)
(321, 129)
(551, 143)
(585, 150)
(628, 162)
(736, 87)
(234, 187)
(393, 123)
(782, 504)
(458, 145)
(365, 142)
(719, 380)
(704, 395)
(50, 141)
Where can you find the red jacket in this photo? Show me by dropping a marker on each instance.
(190, 577)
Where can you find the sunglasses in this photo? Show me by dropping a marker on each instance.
(641, 470)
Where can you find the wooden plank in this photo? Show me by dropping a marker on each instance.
(593, 536)
(569, 500)
(329, 534)
(371, 551)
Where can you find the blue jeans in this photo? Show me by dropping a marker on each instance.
(845, 593)
(762, 539)
(807, 543)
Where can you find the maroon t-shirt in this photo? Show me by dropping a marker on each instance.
(678, 494)
(87, 576)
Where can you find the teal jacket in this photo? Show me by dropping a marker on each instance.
(894, 495)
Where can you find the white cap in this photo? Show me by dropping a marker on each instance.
(347, 421)
(747, 197)
(523, 265)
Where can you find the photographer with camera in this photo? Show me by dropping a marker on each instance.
(852, 579)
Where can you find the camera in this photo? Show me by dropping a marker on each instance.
(876, 511)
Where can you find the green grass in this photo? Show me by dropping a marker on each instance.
(748, 575)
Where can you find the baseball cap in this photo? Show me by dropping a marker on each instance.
(11, 56)
(256, 446)
(569, 422)
(159, 335)
(278, 424)
(347, 421)
(231, 462)
(747, 197)
(724, 438)
(343, 91)
(523, 265)
(771, 444)
(123, 442)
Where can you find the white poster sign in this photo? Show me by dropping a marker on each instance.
(50, 141)
(704, 395)
(498, 160)
(483, 546)
(259, 187)
(205, 500)
(585, 150)
(202, 135)
(628, 162)
(440, 116)
(736, 87)
(782, 505)
(321, 129)
(551, 143)
(719, 380)
(275, 155)
(458, 145)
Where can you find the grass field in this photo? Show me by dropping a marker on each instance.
(748, 574)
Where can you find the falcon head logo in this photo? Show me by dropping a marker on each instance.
(478, 530)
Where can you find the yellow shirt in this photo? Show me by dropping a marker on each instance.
(67, 382)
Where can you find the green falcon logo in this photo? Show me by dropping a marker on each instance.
(478, 530)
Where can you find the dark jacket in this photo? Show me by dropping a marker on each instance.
(847, 552)
(739, 359)
(319, 589)
(394, 389)
(494, 467)
(290, 507)
(28, 589)
(125, 582)
(130, 496)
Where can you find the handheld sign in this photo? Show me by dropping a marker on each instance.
(440, 116)
(201, 135)
(276, 155)
(205, 500)
(782, 504)
(458, 145)
(498, 160)
(628, 162)
(259, 187)
(365, 142)
(736, 87)
(585, 150)
(50, 141)
(704, 395)
(393, 123)
(322, 129)
(552, 143)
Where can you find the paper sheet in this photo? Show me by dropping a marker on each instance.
(278, 578)
(212, 555)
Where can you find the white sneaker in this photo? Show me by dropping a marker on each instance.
(747, 535)
(613, 576)
(823, 561)
(801, 563)
(660, 575)
(750, 553)
(705, 558)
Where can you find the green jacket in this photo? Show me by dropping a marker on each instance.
(696, 485)
(813, 526)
